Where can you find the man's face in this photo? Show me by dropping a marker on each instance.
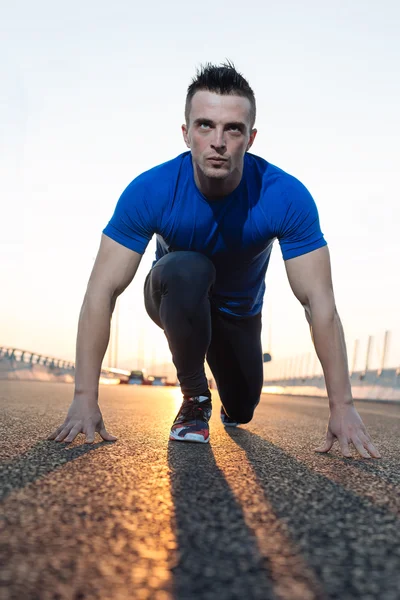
(218, 133)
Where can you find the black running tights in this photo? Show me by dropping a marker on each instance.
(177, 297)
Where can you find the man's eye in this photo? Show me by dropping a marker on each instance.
(234, 128)
(204, 126)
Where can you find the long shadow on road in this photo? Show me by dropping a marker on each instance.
(40, 460)
(218, 555)
(352, 545)
(219, 552)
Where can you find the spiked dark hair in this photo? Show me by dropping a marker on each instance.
(221, 79)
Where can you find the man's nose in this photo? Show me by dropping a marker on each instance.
(218, 139)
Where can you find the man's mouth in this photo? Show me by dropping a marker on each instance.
(217, 159)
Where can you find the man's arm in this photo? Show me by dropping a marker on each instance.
(114, 269)
(311, 281)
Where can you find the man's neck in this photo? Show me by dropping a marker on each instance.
(216, 189)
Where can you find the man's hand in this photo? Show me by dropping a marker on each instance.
(84, 416)
(346, 426)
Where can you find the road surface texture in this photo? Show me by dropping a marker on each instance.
(255, 514)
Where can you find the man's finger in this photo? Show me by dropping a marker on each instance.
(359, 446)
(55, 433)
(330, 439)
(368, 445)
(63, 434)
(374, 452)
(73, 433)
(344, 446)
(106, 436)
(90, 435)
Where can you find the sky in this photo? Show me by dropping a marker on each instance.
(92, 94)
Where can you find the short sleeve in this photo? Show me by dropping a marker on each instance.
(133, 222)
(297, 221)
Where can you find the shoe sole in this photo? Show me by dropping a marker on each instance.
(189, 437)
(234, 424)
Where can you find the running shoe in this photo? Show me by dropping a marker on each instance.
(227, 421)
(191, 422)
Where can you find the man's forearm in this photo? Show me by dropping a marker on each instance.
(328, 337)
(92, 341)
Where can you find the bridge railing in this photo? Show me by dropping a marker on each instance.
(366, 369)
(32, 358)
(17, 358)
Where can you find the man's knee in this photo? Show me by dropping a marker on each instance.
(243, 414)
(186, 267)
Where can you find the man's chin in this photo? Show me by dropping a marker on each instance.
(215, 172)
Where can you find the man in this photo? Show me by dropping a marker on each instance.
(216, 211)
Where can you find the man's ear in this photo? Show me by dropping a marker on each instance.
(185, 135)
(252, 138)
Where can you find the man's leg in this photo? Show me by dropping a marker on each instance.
(177, 299)
(235, 358)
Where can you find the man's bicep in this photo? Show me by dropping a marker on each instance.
(310, 276)
(114, 268)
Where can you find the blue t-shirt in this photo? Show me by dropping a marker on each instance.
(236, 232)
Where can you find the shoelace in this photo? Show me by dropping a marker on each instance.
(192, 409)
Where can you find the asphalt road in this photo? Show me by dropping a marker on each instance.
(255, 514)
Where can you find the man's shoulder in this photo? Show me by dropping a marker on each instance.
(153, 187)
(269, 170)
(164, 172)
(275, 179)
